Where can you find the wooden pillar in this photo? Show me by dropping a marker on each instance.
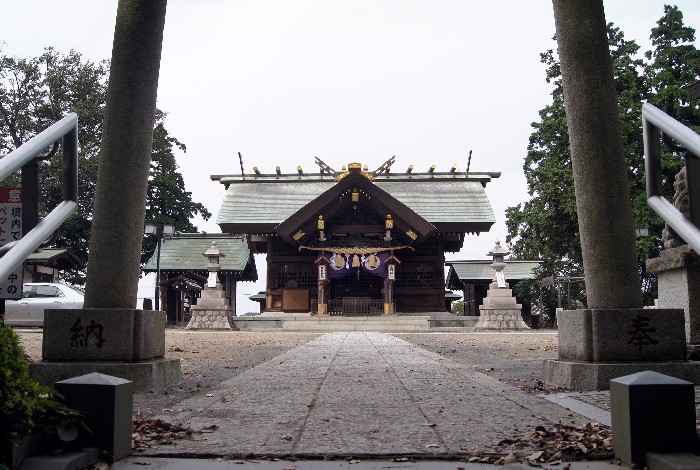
(322, 288)
(389, 306)
(322, 297)
(271, 275)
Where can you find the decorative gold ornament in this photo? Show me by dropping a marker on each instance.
(298, 235)
(321, 224)
(412, 234)
(355, 195)
(389, 222)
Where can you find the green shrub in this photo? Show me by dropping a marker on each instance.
(23, 402)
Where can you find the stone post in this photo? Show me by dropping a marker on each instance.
(125, 155)
(109, 335)
(600, 173)
(615, 336)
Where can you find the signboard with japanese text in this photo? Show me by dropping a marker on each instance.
(11, 230)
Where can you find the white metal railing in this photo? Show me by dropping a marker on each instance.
(66, 128)
(655, 121)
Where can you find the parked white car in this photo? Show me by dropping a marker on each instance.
(38, 296)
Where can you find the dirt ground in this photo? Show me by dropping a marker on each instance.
(209, 358)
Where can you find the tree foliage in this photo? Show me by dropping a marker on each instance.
(546, 226)
(35, 93)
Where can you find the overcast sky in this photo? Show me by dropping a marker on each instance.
(283, 81)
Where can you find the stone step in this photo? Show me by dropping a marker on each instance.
(338, 323)
(358, 324)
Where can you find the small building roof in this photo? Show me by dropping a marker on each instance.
(481, 272)
(259, 297)
(452, 296)
(60, 258)
(183, 253)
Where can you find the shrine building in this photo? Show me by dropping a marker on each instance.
(356, 242)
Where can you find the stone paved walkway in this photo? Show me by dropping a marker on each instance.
(359, 394)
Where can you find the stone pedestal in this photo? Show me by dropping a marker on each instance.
(678, 274)
(125, 343)
(500, 311)
(212, 311)
(596, 346)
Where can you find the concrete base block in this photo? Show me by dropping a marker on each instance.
(148, 375)
(622, 335)
(675, 461)
(107, 404)
(651, 412)
(678, 274)
(104, 334)
(588, 376)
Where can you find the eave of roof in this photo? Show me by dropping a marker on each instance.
(478, 271)
(482, 177)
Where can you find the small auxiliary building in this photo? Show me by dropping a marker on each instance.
(355, 242)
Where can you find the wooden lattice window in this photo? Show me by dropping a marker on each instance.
(414, 275)
(297, 275)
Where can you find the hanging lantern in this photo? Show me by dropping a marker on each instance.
(355, 195)
(389, 222)
(321, 225)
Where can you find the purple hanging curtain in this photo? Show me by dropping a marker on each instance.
(341, 265)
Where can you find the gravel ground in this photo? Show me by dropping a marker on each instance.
(209, 358)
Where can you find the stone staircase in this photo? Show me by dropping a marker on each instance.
(384, 323)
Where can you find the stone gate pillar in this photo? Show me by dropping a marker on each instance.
(615, 336)
(109, 336)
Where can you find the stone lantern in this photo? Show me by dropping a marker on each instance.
(500, 310)
(213, 266)
(499, 253)
(212, 311)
